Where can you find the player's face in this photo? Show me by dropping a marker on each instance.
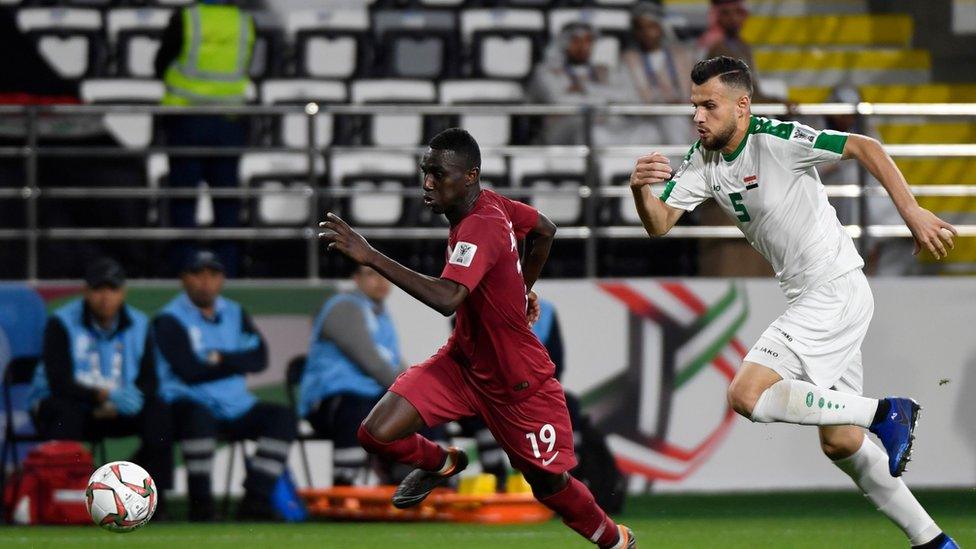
(105, 302)
(580, 48)
(446, 180)
(372, 284)
(648, 33)
(717, 109)
(203, 286)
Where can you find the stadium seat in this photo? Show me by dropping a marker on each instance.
(173, 2)
(829, 30)
(134, 35)
(615, 172)
(487, 129)
(832, 67)
(612, 24)
(130, 130)
(70, 39)
(277, 171)
(267, 55)
(376, 172)
(934, 132)
(503, 43)
(546, 174)
(330, 43)
(894, 93)
(494, 172)
(157, 173)
(293, 128)
(394, 129)
(416, 43)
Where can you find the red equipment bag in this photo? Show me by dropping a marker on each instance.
(51, 487)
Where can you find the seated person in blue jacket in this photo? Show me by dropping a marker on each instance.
(353, 356)
(97, 377)
(206, 344)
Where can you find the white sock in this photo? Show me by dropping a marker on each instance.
(795, 401)
(869, 469)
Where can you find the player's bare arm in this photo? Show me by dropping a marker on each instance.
(656, 216)
(538, 242)
(929, 231)
(442, 295)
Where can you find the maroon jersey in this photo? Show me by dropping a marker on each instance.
(492, 339)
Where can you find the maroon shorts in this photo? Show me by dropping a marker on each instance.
(535, 433)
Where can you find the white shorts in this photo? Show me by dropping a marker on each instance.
(818, 339)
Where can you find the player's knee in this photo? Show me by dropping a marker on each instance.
(742, 398)
(545, 484)
(368, 438)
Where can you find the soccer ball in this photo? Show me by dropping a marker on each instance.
(121, 496)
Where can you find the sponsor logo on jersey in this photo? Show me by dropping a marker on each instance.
(463, 254)
(803, 135)
(768, 351)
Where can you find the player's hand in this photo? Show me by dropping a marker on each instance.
(930, 232)
(650, 169)
(533, 310)
(342, 238)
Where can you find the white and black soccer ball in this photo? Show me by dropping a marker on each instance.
(121, 496)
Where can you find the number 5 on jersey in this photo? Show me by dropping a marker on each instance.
(741, 213)
(547, 435)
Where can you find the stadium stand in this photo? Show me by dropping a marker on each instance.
(464, 52)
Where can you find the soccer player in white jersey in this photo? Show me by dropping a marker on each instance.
(806, 367)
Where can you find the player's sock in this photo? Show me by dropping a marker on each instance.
(413, 450)
(869, 469)
(578, 509)
(795, 401)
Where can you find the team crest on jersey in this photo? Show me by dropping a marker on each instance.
(803, 134)
(463, 254)
(681, 169)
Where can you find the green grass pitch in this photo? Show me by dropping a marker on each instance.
(787, 520)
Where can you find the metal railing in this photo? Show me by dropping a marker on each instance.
(590, 193)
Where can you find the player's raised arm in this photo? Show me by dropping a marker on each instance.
(442, 295)
(929, 231)
(656, 216)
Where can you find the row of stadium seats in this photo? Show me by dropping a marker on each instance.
(323, 43)
(390, 174)
(491, 43)
(291, 130)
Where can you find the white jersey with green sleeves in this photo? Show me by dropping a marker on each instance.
(772, 191)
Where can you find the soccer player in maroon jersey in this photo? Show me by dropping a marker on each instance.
(493, 366)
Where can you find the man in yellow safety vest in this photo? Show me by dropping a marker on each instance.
(203, 59)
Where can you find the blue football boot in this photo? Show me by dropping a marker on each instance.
(896, 432)
(942, 541)
(949, 543)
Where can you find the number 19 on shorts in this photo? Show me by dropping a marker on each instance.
(547, 435)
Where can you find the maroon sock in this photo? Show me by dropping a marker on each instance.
(579, 511)
(413, 450)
